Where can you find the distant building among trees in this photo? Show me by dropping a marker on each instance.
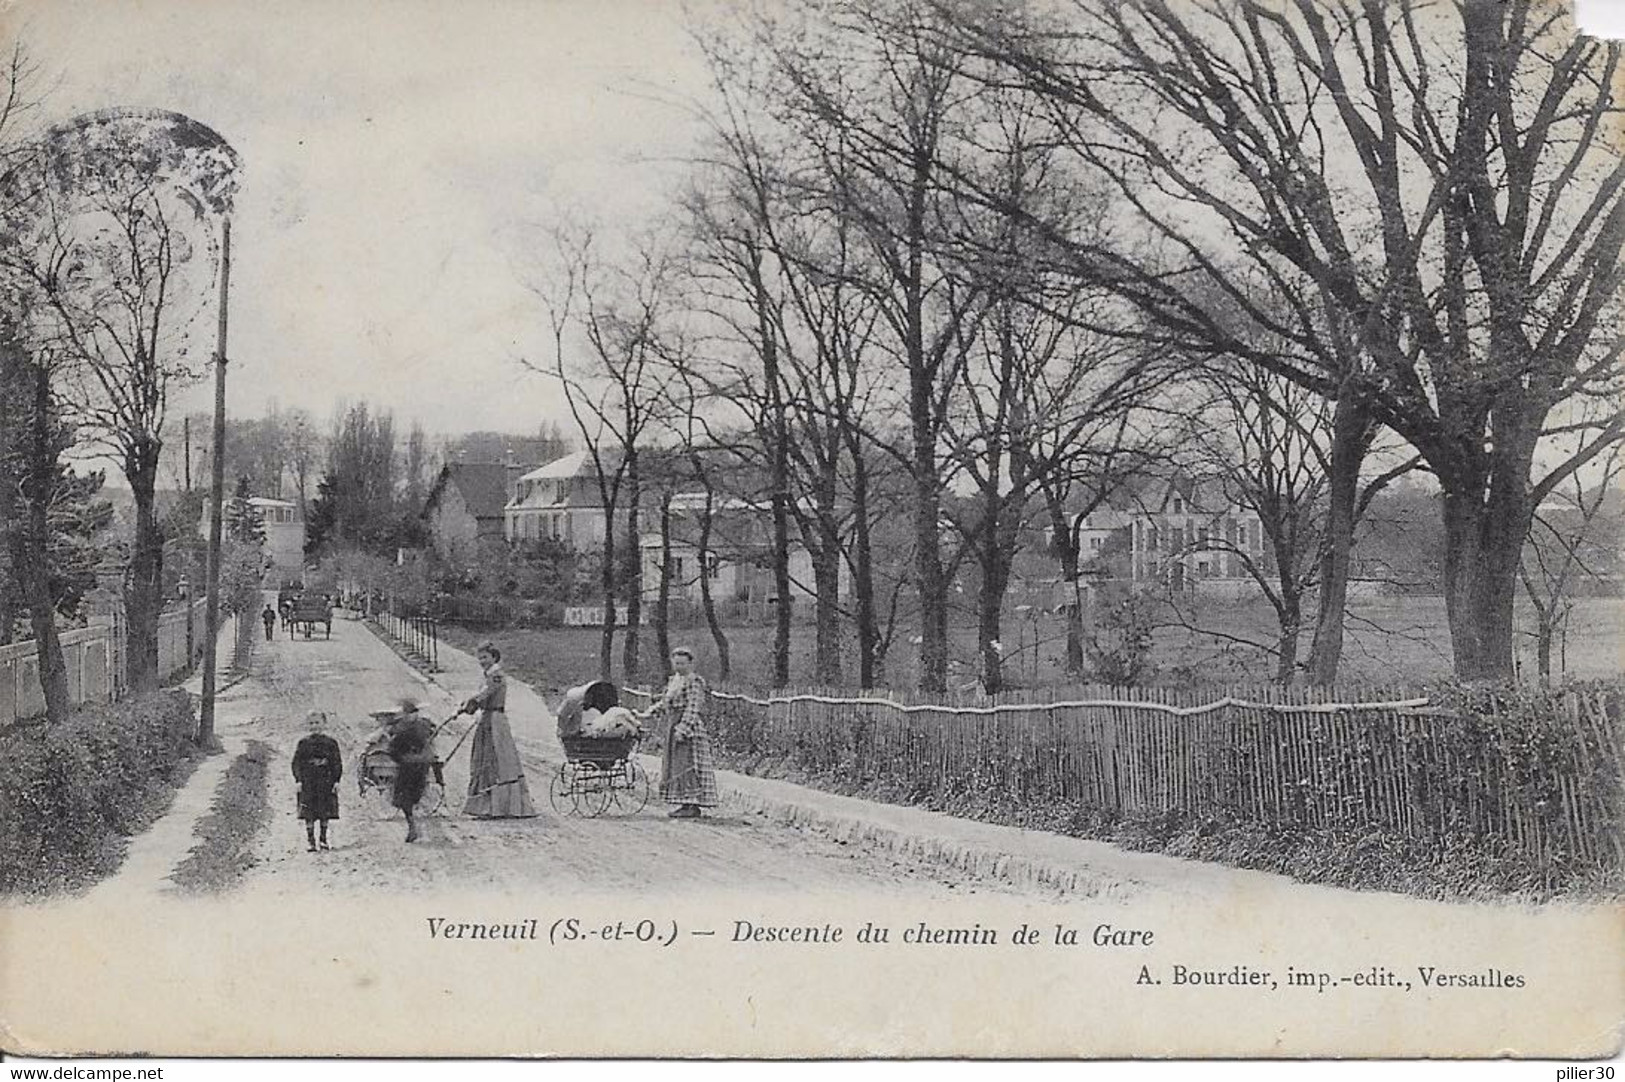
(465, 505)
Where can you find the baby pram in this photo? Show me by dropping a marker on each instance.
(376, 774)
(599, 773)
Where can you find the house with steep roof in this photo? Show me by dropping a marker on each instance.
(465, 505)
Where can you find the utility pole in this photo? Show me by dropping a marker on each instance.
(186, 429)
(217, 498)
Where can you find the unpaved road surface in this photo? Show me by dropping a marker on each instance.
(355, 673)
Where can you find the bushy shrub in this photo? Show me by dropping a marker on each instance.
(1119, 648)
(69, 792)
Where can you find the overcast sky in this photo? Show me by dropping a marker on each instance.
(395, 155)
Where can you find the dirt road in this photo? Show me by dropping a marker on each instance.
(354, 673)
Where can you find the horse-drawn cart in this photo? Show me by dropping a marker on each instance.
(308, 612)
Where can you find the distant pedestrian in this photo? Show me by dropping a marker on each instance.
(317, 767)
(688, 775)
(268, 618)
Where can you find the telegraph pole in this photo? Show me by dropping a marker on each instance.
(217, 467)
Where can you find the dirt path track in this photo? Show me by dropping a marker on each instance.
(354, 673)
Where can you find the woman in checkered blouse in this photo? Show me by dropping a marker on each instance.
(688, 776)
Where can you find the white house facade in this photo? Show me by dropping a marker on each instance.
(559, 501)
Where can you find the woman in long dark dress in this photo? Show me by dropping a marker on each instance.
(317, 767)
(688, 774)
(496, 777)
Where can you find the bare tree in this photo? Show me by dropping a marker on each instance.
(1039, 395)
(127, 200)
(33, 435)
(304, 452)
(1574, 537)
(892, 108)
(1431, 195)
(739, 287)
(619, 310)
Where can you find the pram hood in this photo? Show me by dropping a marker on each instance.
(597, 695)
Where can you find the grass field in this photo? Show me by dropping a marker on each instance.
(1388, 641)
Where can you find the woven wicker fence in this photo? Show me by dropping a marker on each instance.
(1542, 772)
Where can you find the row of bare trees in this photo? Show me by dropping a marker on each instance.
(996, 258)
(107, 243)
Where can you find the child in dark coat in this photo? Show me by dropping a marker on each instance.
(317, 766)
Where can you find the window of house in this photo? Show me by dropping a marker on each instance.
(1179, 506)
(713, 565)
(1094, 542)
(679, 567)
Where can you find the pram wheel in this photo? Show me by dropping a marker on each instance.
(574, 791)
(629, 787)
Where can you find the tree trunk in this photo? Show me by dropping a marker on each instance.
(990, 605)
(863, 579)
(663, 604)
(30, 563)
(826, 605)
(30, 540)
(1350, 429)
(1545, 632)
(143, 598)
(707, 602)
(778, 447)
(634, 590)
(1066, 550)
(606, 643)
(932, 586)
(781, 586)
(1286, 663)
(1483, 542)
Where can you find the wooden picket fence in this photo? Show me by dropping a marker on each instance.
(1541, 772)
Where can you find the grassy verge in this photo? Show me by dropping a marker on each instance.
(1389, 641)
(223, 854)
(71, 795)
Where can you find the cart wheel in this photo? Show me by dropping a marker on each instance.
(630, 789)
(561, 791)
(433, 801)
(379, 804)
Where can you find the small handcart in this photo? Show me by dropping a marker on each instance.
(376, 773)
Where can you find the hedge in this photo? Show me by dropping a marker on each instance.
(70, 793)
